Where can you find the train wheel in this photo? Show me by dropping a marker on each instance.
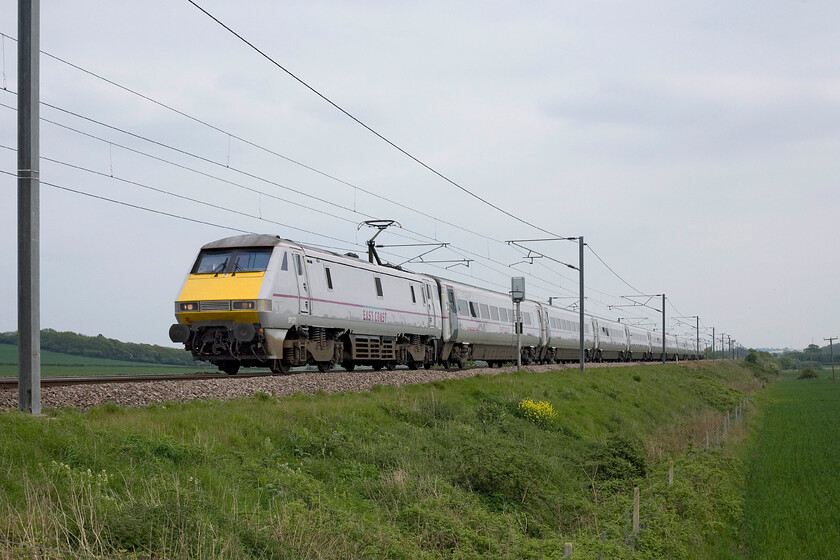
(445, 364)
(230, 367)
(461, 364)
(280, 366)
(376, 366)
(390, 366)
(412, 365)
(349, 366)
(324, 367)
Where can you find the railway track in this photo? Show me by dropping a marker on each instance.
(10, 382)
(100, 379)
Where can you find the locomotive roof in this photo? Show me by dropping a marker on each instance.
(262, 240)
(247, 240)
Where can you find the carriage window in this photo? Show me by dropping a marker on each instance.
(485, 311)
(423, 293)
(413, 298)
(503, 314)
(494, 313)
(378, 282)
(527, 318)
(462, 307)
(473, 309)
(329, 278)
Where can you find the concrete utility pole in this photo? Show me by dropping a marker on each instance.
(29, 273)
(663, 328)
(713, 343)
(831, 345)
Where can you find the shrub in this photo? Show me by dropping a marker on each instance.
(808, 373)
(622, 457)
(540, 413)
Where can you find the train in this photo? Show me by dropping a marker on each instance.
(258, 300)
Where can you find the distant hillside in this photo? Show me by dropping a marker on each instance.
(101, 347)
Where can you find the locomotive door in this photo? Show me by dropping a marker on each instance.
(302, 281)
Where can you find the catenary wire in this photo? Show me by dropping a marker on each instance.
(258, 146)
(293, 190)
(245, 173)
(213, 127)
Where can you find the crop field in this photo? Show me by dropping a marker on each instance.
(490, 467)
(54, 364)
(792, 507)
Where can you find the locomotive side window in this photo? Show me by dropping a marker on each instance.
(413, 298)
(378, 282)
(329, 278)
(473, 309)
(285, 265)
(299, 265)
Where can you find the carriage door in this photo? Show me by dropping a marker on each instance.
(453, 313)
(302, 281)
(430, 308)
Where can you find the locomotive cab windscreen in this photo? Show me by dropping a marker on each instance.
(231, 261)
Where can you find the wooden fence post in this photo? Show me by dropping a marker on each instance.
(671, 473)
(567, 552)
(635, 509)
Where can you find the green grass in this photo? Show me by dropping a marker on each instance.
(792, 507)
(444, 470)
(54, 364)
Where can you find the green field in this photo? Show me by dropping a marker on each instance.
(451, 469)
(54, 364)
(792, 507)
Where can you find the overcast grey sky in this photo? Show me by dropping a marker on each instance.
(694, 145)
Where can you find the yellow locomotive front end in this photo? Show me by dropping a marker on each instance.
(219, 307)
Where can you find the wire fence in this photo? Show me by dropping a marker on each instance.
(639, 514)
(651, 497)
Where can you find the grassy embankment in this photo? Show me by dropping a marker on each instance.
(451, 469)
(55, 364)
(792, 507)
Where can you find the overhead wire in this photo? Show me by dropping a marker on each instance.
(259, 146)
(236, 170)
(248, 142)
(291, 160)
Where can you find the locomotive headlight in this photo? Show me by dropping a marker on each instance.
(186, 306)
(251, 305)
